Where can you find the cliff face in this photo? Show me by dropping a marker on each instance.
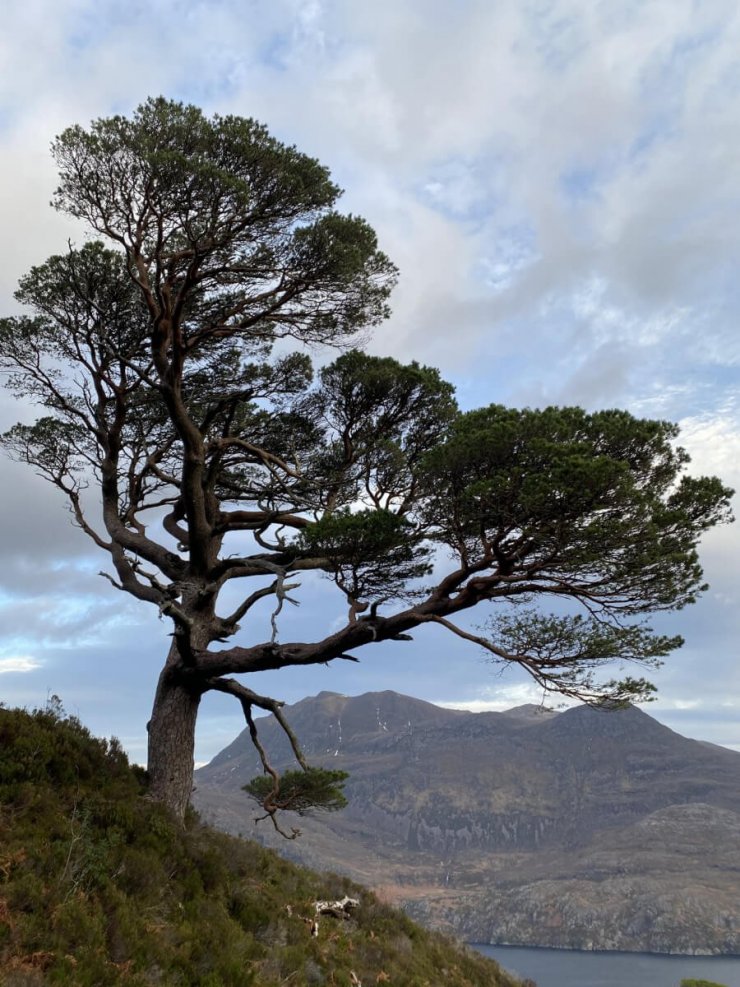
(669, 883)
(587, 829)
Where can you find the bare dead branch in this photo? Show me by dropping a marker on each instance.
(233, 619)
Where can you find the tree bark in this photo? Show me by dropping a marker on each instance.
(172, 737)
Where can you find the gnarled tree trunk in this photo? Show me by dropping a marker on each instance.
(172, 736)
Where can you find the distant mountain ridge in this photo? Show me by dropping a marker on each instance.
(583, 829)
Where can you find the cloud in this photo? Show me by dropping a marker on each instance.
(713, 441)
(18, 664)
(505, 697)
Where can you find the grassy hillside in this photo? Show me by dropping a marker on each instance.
(99, 887)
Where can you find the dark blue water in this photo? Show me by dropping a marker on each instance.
(570, 968)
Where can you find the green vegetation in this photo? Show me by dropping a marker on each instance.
(700, 983)
(300, 791)
(99, 886)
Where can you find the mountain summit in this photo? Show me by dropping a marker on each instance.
(589, 828)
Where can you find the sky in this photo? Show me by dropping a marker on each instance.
(557, 182)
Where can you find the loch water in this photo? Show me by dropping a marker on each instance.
(572, 968)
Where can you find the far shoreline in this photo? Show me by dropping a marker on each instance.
(607, 952)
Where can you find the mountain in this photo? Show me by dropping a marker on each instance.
(589, 828)
(100, 887)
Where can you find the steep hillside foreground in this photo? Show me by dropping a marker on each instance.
(99, 888)
(586, 829)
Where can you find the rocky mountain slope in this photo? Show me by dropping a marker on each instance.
(587, 829)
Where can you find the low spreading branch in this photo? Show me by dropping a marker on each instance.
(248, 699)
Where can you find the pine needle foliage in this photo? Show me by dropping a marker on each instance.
(300, 791)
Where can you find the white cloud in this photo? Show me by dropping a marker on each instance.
(500, 699)
(14, 664)
(667, 704)
(713, 442)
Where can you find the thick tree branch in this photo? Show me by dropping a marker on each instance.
(257, 520)
(271, 656)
